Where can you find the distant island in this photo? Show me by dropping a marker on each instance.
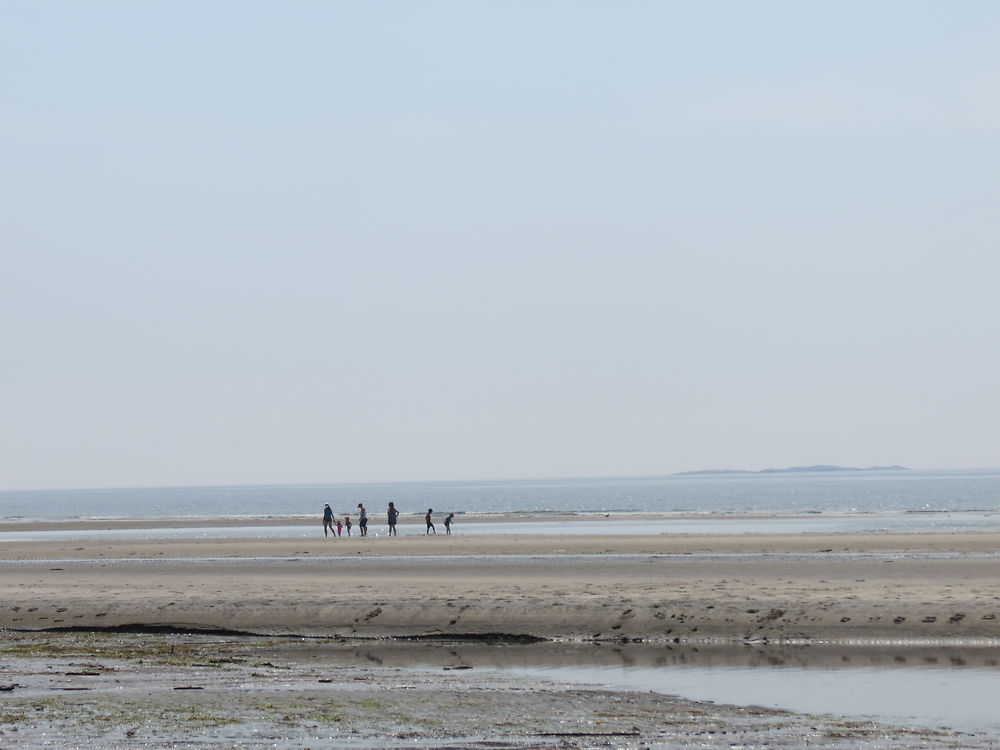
(793, 470)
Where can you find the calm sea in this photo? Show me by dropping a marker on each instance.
(877, 492)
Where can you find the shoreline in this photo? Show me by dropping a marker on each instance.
(128, 691)
(416, 519)
(965, 543)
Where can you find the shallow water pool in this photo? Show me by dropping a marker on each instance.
(928, 686)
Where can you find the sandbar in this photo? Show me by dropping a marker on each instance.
(796, 588)
(194, 641)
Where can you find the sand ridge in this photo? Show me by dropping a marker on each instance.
(661, 588)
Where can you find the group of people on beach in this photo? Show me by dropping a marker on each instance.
(332, 525)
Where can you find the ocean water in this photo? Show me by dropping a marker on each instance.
(827, 493)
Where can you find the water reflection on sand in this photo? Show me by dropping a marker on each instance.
(589, 526)
(953, 685)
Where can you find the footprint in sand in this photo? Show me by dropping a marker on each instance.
(957, 617)
(929, 618)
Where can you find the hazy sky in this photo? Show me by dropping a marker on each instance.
(289, 242)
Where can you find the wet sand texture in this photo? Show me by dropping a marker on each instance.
(142, 691)
(805, 587)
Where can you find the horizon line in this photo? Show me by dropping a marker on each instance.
(223, 485)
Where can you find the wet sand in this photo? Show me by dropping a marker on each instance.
(91, 691)
(99, 685)
(657, 588)
(277, 520)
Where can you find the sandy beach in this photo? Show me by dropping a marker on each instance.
(732, 588)
(226, 617)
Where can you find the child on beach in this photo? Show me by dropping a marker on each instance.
(363, 520)
(347, 523)
(447, 522)
(327, 520)
(430, 523)
(339, 527)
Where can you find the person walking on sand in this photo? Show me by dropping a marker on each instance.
(447, 523)
(393, 515)
(347, 524)
(339, 527)
(327, 520)
(363, 520)
(430, 523)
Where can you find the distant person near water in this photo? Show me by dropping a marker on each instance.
(447, 522)
(430, 523)
(393, 515)
(363, 520)
(327, 520)
(347, 524)
(339, 527)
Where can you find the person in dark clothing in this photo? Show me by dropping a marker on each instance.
(327, 520)
(363, 520)
(393, 515)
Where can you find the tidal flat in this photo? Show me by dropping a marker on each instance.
(146, 690)
(294, 643)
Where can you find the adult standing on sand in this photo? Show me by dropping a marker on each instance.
(429, 522)
(327, 520)
(393, 515)
(363, 520)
